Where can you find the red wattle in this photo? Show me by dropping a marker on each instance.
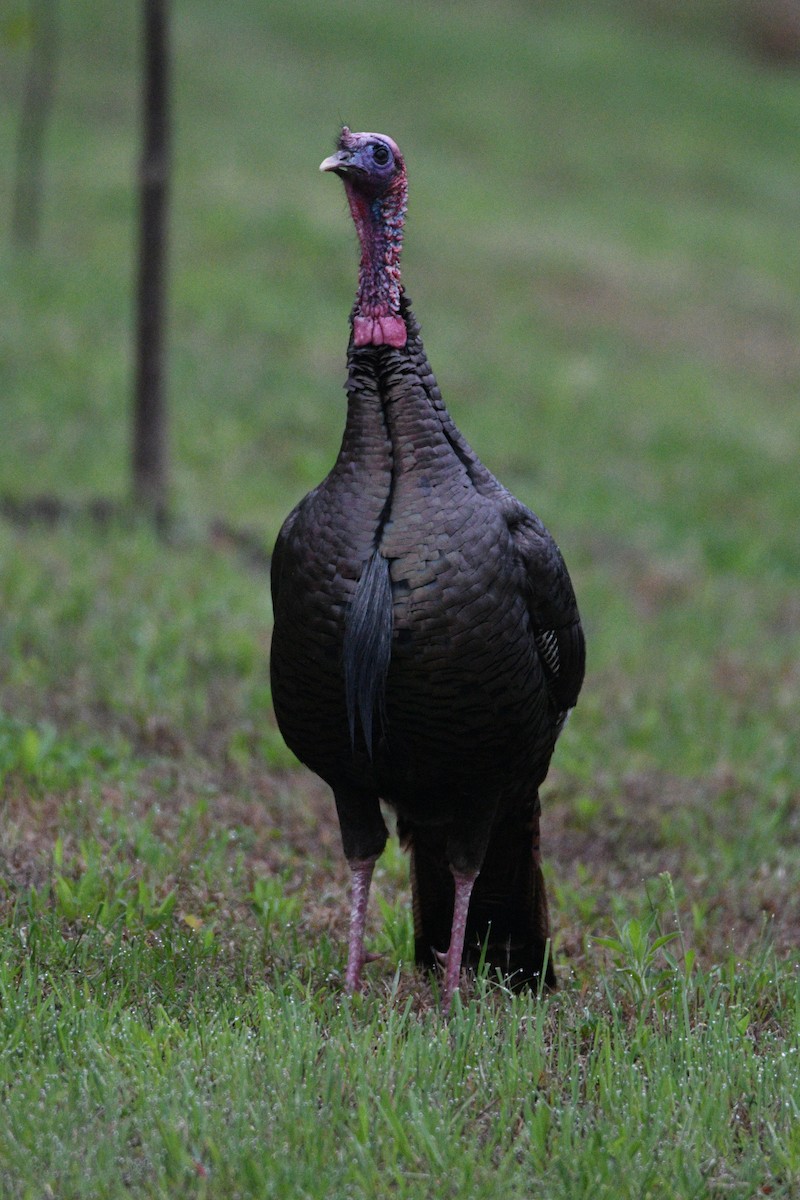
(379, 331)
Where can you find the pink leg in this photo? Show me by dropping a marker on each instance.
(362, 869)
(452, 962)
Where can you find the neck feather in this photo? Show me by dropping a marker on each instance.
(379, 224)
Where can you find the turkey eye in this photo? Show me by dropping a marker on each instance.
(381, 155)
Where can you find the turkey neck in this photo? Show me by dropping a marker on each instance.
(379, 223)
(398, 432)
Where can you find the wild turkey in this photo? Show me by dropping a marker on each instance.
(427, 645)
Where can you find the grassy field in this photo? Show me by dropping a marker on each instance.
(601, 248)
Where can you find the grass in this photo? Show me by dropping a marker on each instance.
(287, 1089)
(603, 205)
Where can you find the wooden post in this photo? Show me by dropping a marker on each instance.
(150, 421)
(36, 104)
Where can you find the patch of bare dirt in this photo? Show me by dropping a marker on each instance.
(757, 339)
(697, 830)
(284, 824)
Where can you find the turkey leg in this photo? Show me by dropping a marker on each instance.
(361, 877)
(464, 881)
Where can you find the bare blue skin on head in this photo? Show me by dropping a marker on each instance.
(374, 176)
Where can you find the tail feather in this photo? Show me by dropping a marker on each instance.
(508, 915)
(367, 648)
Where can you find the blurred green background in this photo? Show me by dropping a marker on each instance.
(604, 205)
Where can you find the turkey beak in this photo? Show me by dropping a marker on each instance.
(336, 162)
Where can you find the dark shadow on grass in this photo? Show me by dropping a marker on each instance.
(48, 509)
